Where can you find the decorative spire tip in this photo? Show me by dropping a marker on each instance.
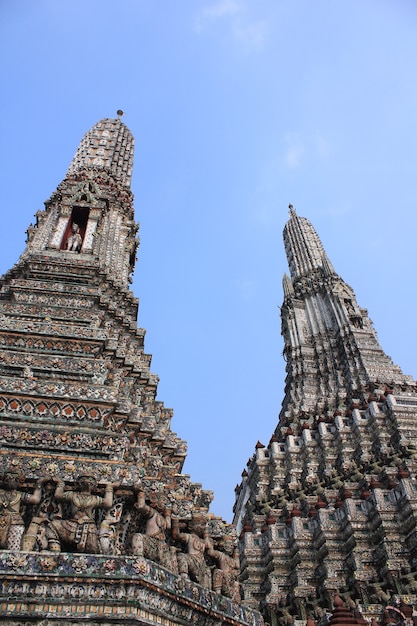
(292, 210)
(120, 113)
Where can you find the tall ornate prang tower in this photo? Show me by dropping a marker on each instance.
(330, 504)
(98, 523)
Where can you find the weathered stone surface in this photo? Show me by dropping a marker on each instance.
(64, 587)
(82, 433)
(330, 504)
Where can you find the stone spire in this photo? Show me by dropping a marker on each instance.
(328, 505)
(108, 144)
(85, 442)
(303, 247)
(91, 212)
(331, 347)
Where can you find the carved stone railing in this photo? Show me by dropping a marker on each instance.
(65, 586)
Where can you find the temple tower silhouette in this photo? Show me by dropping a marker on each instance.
(97, 521)
(329, 505)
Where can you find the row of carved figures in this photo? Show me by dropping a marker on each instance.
(66, 518)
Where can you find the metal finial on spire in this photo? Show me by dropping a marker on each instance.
(292, 210)
(120, 113)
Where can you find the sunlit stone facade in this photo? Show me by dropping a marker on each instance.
(330, 503)
(98, 523)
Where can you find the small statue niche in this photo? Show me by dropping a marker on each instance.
(76, 227)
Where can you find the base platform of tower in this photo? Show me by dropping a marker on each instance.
(98, 523)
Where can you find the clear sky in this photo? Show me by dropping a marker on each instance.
(238, 107)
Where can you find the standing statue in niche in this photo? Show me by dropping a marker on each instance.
(11, 500)
(225, 576)
(35, 537)
(80, 531)
(74, 241)
(192, 564)
(152, 544)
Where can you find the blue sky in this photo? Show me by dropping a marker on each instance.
(238, 108)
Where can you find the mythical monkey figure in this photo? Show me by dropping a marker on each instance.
(225, 576)
(11, 500)
(152, 544)
(35, 537)
(192, 564)
(80, 531)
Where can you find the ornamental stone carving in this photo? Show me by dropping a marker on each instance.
(96, 478)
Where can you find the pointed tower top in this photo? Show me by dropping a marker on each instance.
(91, 212)
(303, 247)
(108, 145)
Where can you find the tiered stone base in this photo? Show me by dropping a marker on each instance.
(49, 589)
